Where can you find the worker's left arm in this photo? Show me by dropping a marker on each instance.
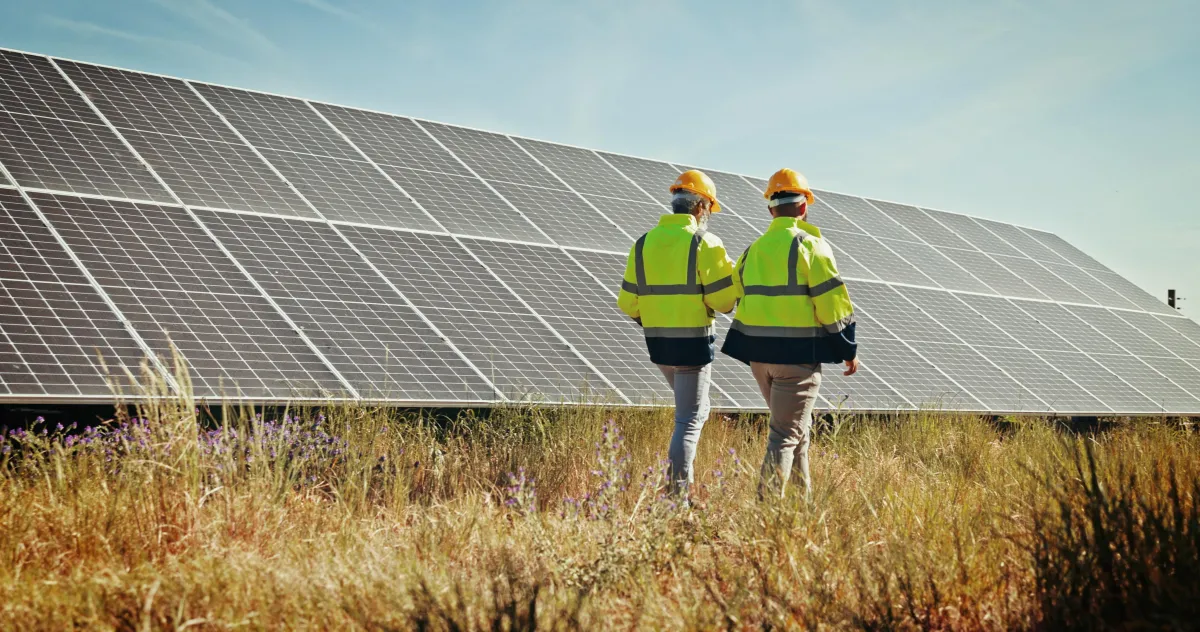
(627, 299)
(716, 275)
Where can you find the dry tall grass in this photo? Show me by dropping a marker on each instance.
(352, 518)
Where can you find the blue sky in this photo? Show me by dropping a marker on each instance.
(1082, 118)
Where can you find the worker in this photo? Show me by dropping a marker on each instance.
(676, 276)
(793, 314)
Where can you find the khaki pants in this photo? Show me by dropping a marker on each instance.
(791, 392)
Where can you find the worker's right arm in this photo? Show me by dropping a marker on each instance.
(627, 299)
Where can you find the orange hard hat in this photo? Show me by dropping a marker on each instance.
(788, 181)
(699, 183)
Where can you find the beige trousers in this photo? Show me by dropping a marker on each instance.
(791, 392)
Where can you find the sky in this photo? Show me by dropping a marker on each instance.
(1080, 118)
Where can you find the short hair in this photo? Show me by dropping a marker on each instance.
(684, 202)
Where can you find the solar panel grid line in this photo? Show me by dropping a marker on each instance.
(571, 189)
(424, 318)
(626, 176)
(166, 375)
(955, 337)
(1126, 350)
(220, 246)
(983, 225)
(96, 196)
(932, 246)
(1182, 325)
(1077, 349)
(463, 245)
(877, 240)
(926, 360)
(985, 357)
(1025, 347)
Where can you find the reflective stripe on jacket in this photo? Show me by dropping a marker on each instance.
(675, 278)
(793, 308)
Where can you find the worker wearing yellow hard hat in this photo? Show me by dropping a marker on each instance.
(676, 277)
(793, 314)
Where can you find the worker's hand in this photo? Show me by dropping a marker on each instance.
(851, 367)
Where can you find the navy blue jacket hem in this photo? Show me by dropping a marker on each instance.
(682, 351)
(831, 349)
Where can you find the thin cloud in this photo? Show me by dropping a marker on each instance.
(93, 29)
(219, 22)
(338, 12)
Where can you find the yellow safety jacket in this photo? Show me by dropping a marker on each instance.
(675, 277)
(792, 306)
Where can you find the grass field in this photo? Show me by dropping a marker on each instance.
(349, 518)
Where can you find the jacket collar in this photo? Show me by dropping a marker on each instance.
(677, 219)
(786, 223)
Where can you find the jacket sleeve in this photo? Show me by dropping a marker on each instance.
(831, 300)
(739, 284)
(716, 276)
(627, 299)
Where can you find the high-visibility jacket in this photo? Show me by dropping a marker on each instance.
(792, 306)
(675, 278)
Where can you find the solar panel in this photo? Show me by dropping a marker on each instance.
(349, 190)
(363, 326)
(578, 307)
(392, 140)
(863, 391)
(1186, 327)
(986, 269)
(1117, 394)
(1174, 341)
(217, 175)
(874, 256)
(1046, 282)
(934, 265)
(493, 329)
(921, 224)
(74, 157)
(148, 103)
(495, 157)
(565, 217)
(584, 171)
(635, 218)
(651, 176)
(826, 218)
(273, 122)
(30, 84)
(464, 205)
(170, 281)
(57, 336)
(491, 264)
(974, 233)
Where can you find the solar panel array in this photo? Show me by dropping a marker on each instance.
(299, 250)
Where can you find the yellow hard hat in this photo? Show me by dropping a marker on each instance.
(700, 184)
(788, 181)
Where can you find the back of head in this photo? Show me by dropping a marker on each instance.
(788, 204)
